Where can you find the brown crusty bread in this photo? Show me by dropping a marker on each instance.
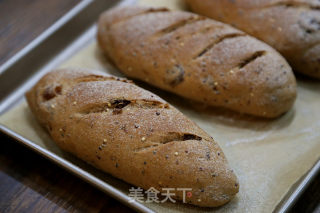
(132, 134)
(198, 58)
(290, 26)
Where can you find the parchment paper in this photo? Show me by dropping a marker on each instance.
(268, 156)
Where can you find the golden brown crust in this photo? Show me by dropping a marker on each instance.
(198, 58)
(290, 26)
(132, 134)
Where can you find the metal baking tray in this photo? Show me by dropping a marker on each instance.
(64, 38)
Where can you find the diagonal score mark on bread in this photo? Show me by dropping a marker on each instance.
(292, 4)
(253, 57)
(92, 78)
(203, 30)
(56, 89)
(118, 104)
(175, 26)
(246, 61)
(217, 41)
(170, 137)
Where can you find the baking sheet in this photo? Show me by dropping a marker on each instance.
(268, 156)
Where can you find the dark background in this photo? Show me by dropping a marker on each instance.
(30, 183)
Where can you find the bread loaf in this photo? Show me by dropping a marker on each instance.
(198, 58)
(132, 134)
(291, 27)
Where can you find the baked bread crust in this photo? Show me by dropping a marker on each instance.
(291, 27)
(198, 58)
(132, 134)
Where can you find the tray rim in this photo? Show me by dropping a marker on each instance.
(10, 101)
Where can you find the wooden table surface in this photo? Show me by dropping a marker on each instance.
(30, 183)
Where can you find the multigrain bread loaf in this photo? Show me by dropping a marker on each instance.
(290, 26)
(132, 134)
(198, 58)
